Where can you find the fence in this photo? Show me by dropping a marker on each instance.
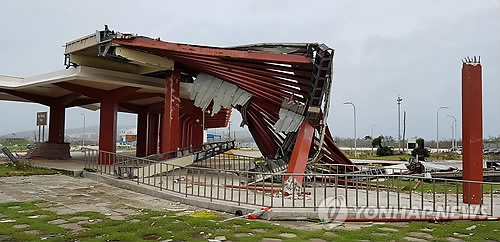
(232, 178)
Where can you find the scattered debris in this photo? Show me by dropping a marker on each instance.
(253, 215)
(471, 227)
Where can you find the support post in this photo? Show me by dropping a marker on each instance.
(56, 123)
(197, 133)
(300, 152)
(170, 120)
(142, 134)
(107, 130)
(153, 133)
(472, 132)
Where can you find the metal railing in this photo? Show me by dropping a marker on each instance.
(217, 178)
(198, 149)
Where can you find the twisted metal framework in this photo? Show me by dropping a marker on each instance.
(272, 73)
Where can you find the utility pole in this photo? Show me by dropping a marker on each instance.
(399, 121)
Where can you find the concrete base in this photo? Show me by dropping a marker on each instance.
(50, 151)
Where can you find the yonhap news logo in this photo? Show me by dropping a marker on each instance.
(332, 211)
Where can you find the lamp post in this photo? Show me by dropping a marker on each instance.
(355, 137)
(399, 121)
(454, 123)
(83, 136)
(437, 127)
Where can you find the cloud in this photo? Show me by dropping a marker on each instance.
(383, 48)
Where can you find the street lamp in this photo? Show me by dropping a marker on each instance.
(437, 127)
(454, 126)
(83, 136)
(399, 121)
(355, 137)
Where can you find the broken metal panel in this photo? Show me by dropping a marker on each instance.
(144, 59)
(81, 43)
(290, 116)
(207, 88)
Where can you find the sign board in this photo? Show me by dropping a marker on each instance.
(41, 118)
(9, 155)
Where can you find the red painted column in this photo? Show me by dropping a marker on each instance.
(160, 131)
(472, 132)
(107, 130)
(182, 129)
(300, 152)
(153, 133)
(197, 138)
(170, 121)
(142, 134)
(56, 123)
(188, 132)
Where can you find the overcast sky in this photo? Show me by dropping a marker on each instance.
(383, 48)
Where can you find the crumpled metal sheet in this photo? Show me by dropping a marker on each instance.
(290, 116)
(207, 88)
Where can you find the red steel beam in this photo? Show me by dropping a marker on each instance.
(472, 132)
(270, 77)
(300, 152)
(140, 42)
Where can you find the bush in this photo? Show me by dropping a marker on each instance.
(420, 150)
(384, 151)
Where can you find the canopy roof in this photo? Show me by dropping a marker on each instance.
(291, 77)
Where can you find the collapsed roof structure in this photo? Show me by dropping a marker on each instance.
(281, 90)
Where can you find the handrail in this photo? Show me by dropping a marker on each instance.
(222, 178)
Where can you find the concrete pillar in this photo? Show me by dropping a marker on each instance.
(170, 121)
(142, 134)
(56, 123)
(107, 130)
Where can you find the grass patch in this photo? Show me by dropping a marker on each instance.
(159, 225)
(23, 169)
(429, 187)
(366, 155)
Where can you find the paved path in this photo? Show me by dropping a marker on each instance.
(70, 195)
